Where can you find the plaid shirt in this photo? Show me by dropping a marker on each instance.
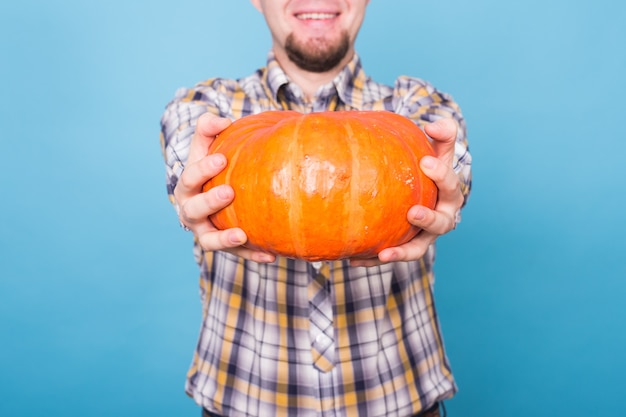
(253, 356)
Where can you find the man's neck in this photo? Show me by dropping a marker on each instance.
(310, 82)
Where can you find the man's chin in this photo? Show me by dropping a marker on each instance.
(317, 55)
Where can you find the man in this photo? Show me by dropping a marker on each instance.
(283, 337)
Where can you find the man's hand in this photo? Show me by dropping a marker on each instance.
(195, 206)
(442, 219)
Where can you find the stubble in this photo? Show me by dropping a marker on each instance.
(317, 55)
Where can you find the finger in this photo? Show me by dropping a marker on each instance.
(446, 180)
(449, 199)
(437, 222)
(199, 207)
(222, 239)
(443, 132)
(195, 175)
(230, 240)
(414, 249)
(207, 127)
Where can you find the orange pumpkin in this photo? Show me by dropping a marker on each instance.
(323, 186)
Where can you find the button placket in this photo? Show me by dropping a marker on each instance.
(321, 329)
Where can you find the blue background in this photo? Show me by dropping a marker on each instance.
(98, 292)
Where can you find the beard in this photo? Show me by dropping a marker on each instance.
(317, 55)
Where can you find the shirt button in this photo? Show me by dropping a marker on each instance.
(321, 339)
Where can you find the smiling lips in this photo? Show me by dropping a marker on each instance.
(316, 16)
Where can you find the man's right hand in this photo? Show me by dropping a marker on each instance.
(195, 206)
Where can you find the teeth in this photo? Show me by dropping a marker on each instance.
(316, 16)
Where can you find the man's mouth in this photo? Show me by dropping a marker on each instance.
(316, 16)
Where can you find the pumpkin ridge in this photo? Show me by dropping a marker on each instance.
(416, 148)
(278, 191)
(296, 205)
(229, 211)
(349, 229)
(415, 184)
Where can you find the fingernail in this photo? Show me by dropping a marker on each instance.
(428, 162)
(392, 256)
(223, 193)
(264, 257)
(419, 214)
(218, 160)
(235, 238)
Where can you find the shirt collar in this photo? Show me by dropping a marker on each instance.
(276, 77)
(348, 84)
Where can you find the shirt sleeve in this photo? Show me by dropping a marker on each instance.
(421, 102)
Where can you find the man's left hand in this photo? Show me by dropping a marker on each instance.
(441, 220)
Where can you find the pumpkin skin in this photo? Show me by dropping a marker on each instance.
(323, 186)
